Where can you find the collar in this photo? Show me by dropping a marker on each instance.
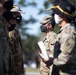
(48, 35)
(68, 24)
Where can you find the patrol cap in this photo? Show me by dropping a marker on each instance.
(45, 20)
(17, 9)
(64, 8)
(48, 20)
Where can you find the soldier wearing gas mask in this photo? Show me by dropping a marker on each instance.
(49, 40)
(16, 44)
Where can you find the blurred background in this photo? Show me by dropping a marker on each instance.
(30, 30)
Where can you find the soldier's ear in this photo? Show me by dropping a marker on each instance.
(50, 26)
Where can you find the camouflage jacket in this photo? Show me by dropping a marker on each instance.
(49, 41)
(64, 50)
(17, 54)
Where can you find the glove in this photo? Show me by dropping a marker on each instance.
(49, 62)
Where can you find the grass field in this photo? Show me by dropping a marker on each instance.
(31, 70)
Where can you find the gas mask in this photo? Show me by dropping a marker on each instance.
(43, 28)
(57, 20)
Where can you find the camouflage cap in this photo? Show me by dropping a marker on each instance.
(17, 9)
(46, 20)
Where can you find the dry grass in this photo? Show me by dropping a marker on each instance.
(32, 70)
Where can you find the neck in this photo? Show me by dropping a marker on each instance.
(63, 23)
(49, 31)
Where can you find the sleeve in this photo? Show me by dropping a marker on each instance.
(66, 47)
(51, 45)
(52, 41)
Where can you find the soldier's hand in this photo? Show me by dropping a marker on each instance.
(49, 62)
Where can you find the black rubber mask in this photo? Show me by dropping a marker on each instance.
(43, 28)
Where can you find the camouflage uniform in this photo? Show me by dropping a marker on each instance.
(49, 41)
(16, 46)
(4, 48)
(65, 51)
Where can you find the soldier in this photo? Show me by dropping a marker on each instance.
(16, 44)
(65, 47)
(11, 23)
(47, 27)
(4, 44)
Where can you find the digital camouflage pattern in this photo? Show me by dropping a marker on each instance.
(66, 57)
(49, 41)
(17, 63)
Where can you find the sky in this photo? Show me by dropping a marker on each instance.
(35, 28)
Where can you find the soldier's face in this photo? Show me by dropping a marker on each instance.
(16, 13)
(1, 2)
(58, 19)
(0, 5)
(48, 26)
